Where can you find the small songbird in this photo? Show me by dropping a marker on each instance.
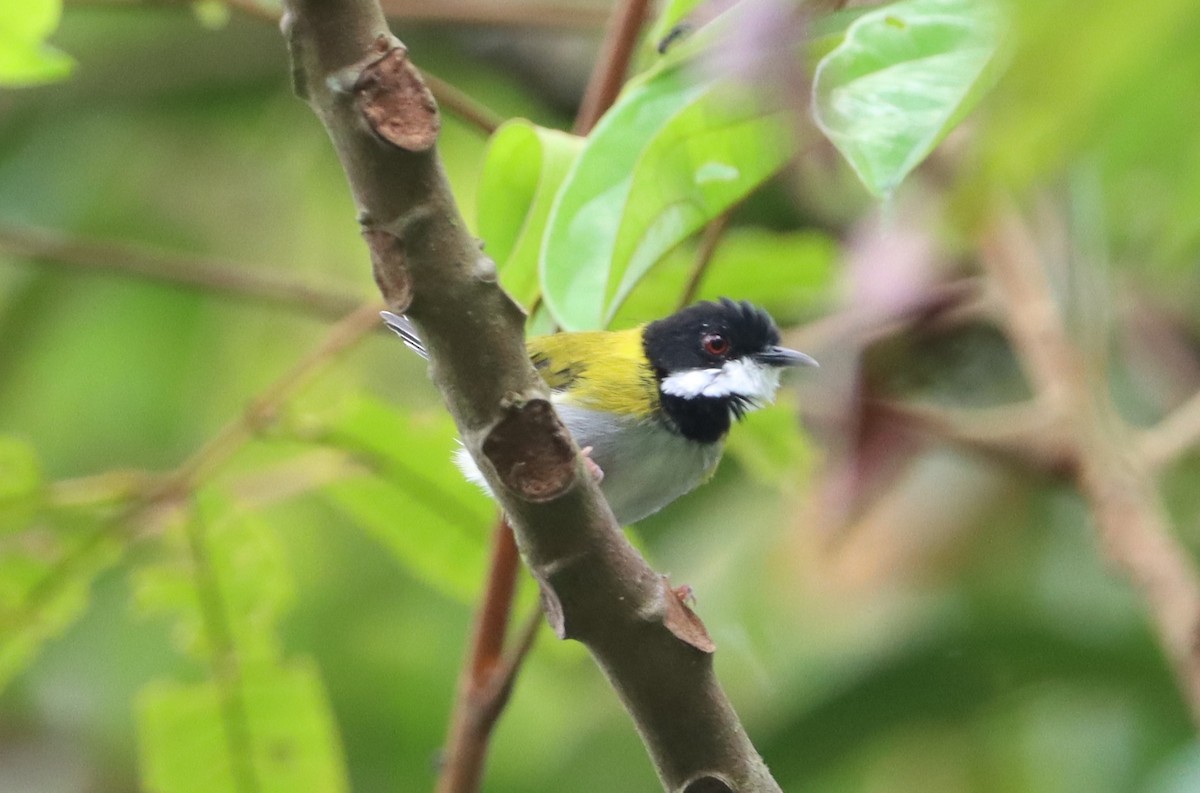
(651, 406)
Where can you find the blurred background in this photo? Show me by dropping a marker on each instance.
(899, 602)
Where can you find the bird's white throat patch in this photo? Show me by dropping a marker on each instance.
(743, 377)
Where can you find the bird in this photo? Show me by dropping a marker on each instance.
(651, 406)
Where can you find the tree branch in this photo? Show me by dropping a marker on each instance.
(595, 586)
(482, 12)
(481, 697)
(565, 16)
(455, 100)
(216, 276)
(1176, 435)
(1126, 507)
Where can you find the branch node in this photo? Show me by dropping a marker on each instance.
(531, 450)
(551, 606)
(388, 267)
(680, 620)
(707, 783)
(393, 98)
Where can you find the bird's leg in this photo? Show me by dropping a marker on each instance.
(596, 471)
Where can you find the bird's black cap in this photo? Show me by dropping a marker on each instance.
(677, 342)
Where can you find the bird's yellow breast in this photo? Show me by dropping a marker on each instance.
(599, 370)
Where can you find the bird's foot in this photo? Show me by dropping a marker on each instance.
(684, 595)
(595, 470)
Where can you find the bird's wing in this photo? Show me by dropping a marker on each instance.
(620, 380)
(402, 326)
(599, 370)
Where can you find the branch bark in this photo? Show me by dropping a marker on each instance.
(484, 688)
(595, 586)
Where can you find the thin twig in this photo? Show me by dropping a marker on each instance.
(704, 256)
(452, 98)
(615, 54)
(149, 492)
(565, 16)
(1027, 434)
(264, 408)
(475, 709)
(464, 106)
(1174, 436)
(216, 276)
(487, 12)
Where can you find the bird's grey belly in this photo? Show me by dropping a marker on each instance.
(646, 466)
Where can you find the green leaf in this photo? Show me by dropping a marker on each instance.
(223, 577)
(672, 153)
(674, 13)
(25, 58)
(274, 733)
(257, 723)
(46, 574)
(827, 31)
(414, 501)
(212, 14)
(523, 168)
(790, 274)
(20, 484)
(904, 75)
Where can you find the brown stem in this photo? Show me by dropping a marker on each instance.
(464, 106)
(217, 276)
(488, 12)
(708, 247)
(475, 711)
(615, 53)
(595, 587)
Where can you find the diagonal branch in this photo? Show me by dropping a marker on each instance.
(596, 588)
(483, 690)
(615, 55)
(1176, 435)
(1131, 521)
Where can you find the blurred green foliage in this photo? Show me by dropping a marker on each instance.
(25, 57)
(967, 639)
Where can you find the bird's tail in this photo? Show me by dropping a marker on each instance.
(402, 326)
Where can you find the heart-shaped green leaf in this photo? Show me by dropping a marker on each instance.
(676, 150)
(902, 77)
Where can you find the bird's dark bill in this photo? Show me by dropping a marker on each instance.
(782, 356)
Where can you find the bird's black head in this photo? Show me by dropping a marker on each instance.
(715, 361)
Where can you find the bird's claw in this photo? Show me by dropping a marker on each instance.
(595, 470)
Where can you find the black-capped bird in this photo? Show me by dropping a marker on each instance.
(652, 405)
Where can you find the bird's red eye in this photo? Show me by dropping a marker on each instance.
(716, 344)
